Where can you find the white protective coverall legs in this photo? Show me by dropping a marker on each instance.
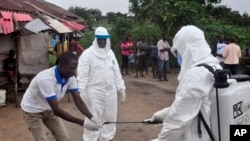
(105, 107)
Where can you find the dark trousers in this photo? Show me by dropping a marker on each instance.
(141, 66)
(154, 61)
(232, 67)
(124, 65)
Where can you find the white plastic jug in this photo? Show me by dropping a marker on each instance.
(234, 108)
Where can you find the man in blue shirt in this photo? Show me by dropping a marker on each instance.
(40, 101)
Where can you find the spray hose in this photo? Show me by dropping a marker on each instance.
(143, 122)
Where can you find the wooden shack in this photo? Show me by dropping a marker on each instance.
(31, 28)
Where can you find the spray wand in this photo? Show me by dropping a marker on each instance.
(143, 122)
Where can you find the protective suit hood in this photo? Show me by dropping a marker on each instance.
(101, 33)
(192, 46)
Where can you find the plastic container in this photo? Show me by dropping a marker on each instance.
(234, 108)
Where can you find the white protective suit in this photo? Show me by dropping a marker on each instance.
(99, 81)
(192, 94)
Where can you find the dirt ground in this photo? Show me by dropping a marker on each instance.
(145, 96)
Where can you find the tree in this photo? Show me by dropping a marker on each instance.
(89, 15)
(169, 14)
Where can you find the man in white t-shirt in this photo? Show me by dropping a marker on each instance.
(163, 57)
(40, 101)
(220, 48)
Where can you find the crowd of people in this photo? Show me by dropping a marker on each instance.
(156, 56)
(95, 79)
(228, 54)
(141, 56)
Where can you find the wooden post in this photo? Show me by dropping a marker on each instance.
(16, 73)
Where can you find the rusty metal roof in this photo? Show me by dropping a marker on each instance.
(35, 6)
(39, 9)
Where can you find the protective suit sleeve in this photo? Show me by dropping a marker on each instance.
(83, 69)
(185, 107)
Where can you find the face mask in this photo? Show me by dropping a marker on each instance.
(179, 59)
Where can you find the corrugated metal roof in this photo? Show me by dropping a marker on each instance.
(30, 6)
(73, 25)
(19, 17)
(58, 26)
(6, 22)
(36, 26)
(6, 14)
(31, 9)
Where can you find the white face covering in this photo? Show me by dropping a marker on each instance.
(193, 48)
(101, 50)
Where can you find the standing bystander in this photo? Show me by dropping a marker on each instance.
(154, 58)
(231, 56)
(126, 50)
(221, 44)
(246, 61)
(141, 56)
(163, 53)
(9, 66)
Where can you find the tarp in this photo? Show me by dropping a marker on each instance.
(36, 26)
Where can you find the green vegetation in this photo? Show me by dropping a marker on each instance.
(52, 60)
(152, 18)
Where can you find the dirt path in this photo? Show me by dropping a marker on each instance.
(144, 97)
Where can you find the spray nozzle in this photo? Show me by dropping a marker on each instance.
(221, 79)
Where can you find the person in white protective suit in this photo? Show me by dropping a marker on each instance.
(100, 80)
(192, 95)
